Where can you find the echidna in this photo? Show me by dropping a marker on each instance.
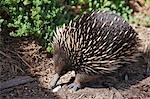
(95, 44)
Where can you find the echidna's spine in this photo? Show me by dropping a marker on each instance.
(97, 43)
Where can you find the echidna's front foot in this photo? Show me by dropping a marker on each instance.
(74, 86)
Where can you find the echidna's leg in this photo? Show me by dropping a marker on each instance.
(79, 79)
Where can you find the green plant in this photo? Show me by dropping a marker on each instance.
(39, 18)
(118, 6)
(34, 17)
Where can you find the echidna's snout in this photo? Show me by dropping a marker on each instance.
(54, 81)
(55, 78)
(58, 64)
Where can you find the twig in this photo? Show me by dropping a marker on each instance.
(16, 81)
(24, 61)
(20, 58)
(4, 54)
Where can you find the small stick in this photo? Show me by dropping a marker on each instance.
(24, 61)
(20, 58)
(4, 54)
(16, 81)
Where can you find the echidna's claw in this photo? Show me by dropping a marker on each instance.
(147, 69)
(74, 86)
(126, 77)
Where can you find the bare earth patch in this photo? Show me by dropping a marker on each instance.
(25, 56)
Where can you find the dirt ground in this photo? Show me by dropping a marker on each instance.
(20, 57)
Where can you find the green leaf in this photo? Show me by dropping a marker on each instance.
(26, 2)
